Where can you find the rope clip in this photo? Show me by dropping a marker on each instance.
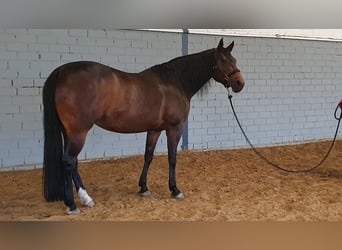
(228, 92)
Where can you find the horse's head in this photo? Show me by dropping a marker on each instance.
(225, 70)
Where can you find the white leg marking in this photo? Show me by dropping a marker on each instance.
(86, 200)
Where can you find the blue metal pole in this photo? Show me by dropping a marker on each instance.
(185, 51)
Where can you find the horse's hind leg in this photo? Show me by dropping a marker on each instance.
(151, 141)
(69, 163)
(73, 146)
(86, 200)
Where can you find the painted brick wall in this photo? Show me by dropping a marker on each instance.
(292, 87)
(28, 56)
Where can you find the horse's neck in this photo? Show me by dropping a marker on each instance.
(189, 73)
(197, 71)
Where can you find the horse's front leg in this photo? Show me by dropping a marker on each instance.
(173, 134)
(151, 140)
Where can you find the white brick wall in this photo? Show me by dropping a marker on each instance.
(28, 56)
(292, 87)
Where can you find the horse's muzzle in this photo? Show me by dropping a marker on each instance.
(237, 85)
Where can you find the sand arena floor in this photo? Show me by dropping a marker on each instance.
(221, 185)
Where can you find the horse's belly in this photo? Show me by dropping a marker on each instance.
(131, 124)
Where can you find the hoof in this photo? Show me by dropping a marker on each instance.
(179, 196)
(144, 194)
(73, 212)
(90, 203)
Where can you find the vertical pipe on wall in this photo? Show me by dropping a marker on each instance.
(185, 50)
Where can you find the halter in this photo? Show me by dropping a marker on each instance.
(227, 76)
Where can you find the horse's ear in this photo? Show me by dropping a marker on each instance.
(220, 45)
(231, 46)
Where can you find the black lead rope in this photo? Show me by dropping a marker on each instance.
(338, 118)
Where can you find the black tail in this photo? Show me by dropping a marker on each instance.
(53, 180)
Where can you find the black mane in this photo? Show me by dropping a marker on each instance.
(190, 72)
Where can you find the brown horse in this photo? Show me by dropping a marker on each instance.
(78, 95)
